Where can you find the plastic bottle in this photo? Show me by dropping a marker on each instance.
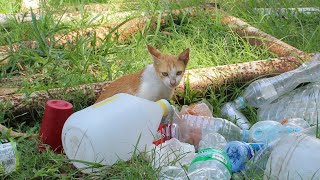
(266, 90)
(240, 152)
(312, 131)
(232, 112)
(112, 129)
(303, 102)
(292, 157)
(192, 127)
(295, 122)
(211, 162)
(189, 128)
(267, 131)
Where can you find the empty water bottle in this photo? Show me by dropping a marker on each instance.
(303, 102)
(190, 128)
(291, 157)
(266, 90)
(232, 112)
(295, 122)
(211, 162)
(240, 152)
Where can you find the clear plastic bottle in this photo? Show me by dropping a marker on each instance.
(232, 112)
(291, 157)
(191, 128)
(211, 162)
(303, 102)
(295, 122)
(266, 90)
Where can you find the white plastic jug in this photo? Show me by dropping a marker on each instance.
(112, 129)
(295, 156)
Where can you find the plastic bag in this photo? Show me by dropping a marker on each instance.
(171, 153)
(202, 108)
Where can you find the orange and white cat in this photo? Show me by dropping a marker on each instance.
(156, 81)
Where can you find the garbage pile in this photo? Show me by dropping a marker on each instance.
(194, 144)
(281, 145)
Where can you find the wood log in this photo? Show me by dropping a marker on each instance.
(5, 91)
(4, 129)
(286, 11)
(257, 37)
(199, 79)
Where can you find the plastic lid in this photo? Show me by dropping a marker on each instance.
(167, 109)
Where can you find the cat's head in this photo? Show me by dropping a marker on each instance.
(170, 68)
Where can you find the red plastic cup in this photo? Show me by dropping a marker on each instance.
(55, 115)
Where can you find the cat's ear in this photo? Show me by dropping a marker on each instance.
(184, 56)
(155, 54)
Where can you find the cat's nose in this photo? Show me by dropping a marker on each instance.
(173, 82)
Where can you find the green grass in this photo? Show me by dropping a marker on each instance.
(299, 30)
(211, 44)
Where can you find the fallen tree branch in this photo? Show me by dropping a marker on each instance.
(257, 37)
(198, 78)
(12, 133)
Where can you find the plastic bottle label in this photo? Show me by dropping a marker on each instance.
(164, 133)
(8, 156)
(213, 154)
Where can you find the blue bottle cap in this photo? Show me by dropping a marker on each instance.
(239, 153)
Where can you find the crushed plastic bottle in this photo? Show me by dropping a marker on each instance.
(295, 122)
(240, 152)
(170, 153)
(291, 157)
(211, 162)
(267, 131)
(303, 102)
(232, 112)
(192, 127)
(266, 90)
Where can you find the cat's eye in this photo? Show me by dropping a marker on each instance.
(179, 73)
(165, 74)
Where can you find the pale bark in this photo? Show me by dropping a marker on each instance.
(259, 38)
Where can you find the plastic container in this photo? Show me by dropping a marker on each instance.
(9, 158)
(303, 102)
(211, 162)
(263, 91)
(112, 129)
(294, 157)
(232, 112)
